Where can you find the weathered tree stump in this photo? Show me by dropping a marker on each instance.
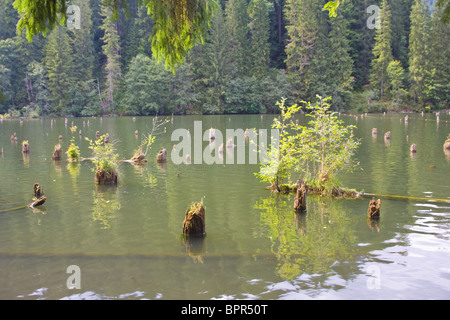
(447, 144)
(161, 156)
(374, 209)
(37, 191)
(57, 152)
(25, 147)
(194, 221)
(102, 177)
(138, 159)
(300, 199)
(37, 202)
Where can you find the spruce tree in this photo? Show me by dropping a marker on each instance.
(212, 65)
(111, 49)
(302, 31)
(237, 24)
(58, 61)
(258, 11)
(382, 50)
(417, 53)
(437, 75)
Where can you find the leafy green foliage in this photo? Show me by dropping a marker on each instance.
(318, 151)
(105, 157)
(73, 152)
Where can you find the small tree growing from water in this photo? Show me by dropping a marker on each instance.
(318, 151)
(73, 152)
(105, 160)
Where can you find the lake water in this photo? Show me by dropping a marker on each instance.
(127, 240)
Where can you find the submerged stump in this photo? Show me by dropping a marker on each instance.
(161, 156)
(194, 221)
(57, 152)
(37, 202)
(37, 191)
(138, 159)
(102, 177)
(25, 147)
(374, 209)
(300, 199)
(447, 144)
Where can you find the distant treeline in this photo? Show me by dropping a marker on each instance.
(255, 53)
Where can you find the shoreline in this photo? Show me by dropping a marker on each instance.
(350, 112)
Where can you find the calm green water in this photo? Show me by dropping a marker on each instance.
(127, 240)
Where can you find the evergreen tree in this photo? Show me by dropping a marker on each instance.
(302, 31)
(437, 76)
(83, 43)
(258, 11)
(58, 61)
(382, 50)
(111, 49)
(417, 53)
(213, 66)
(8, 19)
(237, 23)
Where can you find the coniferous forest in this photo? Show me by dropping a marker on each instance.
(255, 52)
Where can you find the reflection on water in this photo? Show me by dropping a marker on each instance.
(106, 205)
(307, 242)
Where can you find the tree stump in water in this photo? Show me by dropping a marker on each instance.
(57, 152)
(161, 156)
(447, 144)
(106, 177)
(194, 221)
(374, 209)
(138, 159)
(37, 202)
(25, 147)
(300, 199)
(37, 190)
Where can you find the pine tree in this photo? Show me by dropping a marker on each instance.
(302, 31)
(237, 23)
(58, 61)
(382, 49)
(83, 43)
(437, 75)
(111, 49)
(258, 11)
(8, 19)
(417, 53)
(213, 65)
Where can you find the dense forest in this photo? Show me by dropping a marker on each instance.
(255, 53)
